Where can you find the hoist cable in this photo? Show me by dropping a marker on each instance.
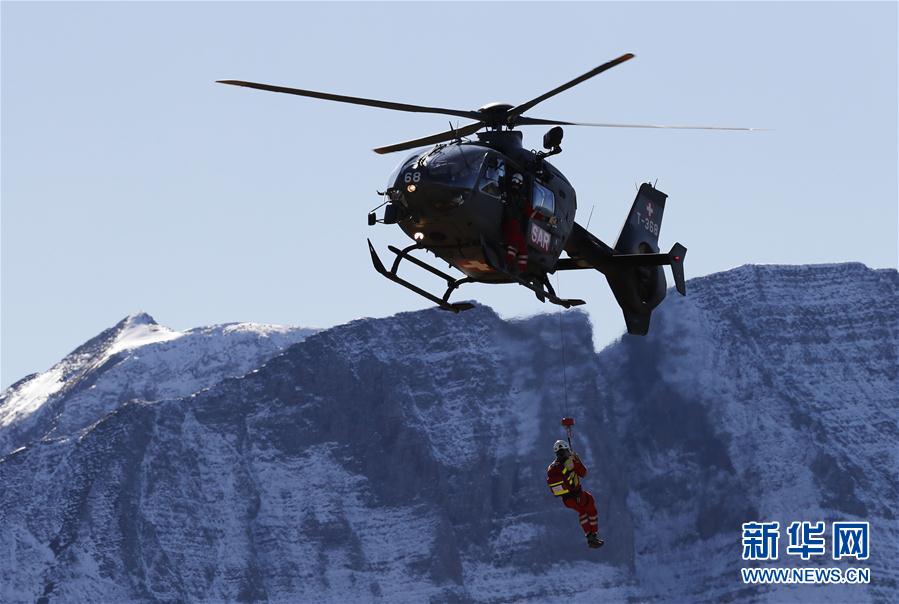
(564, 359)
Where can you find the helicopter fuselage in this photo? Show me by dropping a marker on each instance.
(454, 199)
(502, 214)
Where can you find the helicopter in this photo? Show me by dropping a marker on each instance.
(465, 200)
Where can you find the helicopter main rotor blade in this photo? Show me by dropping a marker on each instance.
(432, 139)
(327, 96)
(533, 121)
(516, 111)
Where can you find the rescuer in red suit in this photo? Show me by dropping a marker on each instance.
(564, 479)
(515, 217)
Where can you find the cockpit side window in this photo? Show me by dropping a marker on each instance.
(543, 200)
(494, 173)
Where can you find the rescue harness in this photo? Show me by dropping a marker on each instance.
(571, 482)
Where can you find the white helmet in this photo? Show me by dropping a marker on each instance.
(517, 180)
(561, 445)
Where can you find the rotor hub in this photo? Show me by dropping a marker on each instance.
(495, 114)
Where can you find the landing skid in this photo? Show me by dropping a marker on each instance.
(543, 290)
(451, 282)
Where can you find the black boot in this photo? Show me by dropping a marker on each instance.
(593, 540)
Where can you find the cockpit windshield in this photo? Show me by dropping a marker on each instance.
(455, 165)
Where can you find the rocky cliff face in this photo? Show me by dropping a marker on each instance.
(770, 393)
(403, 459)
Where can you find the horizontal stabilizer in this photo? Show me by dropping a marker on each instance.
(674, 258)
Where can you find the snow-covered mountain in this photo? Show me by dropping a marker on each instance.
(135, 359)
(403, 459)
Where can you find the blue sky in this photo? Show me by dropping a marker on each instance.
(130, 181)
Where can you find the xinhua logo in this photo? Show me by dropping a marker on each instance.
(806, 539)
(850, 540)
(760, 540)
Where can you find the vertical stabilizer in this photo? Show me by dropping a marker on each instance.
(640, 233)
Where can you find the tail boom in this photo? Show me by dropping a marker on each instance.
(633, 267)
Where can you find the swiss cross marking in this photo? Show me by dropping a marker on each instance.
(475, 265)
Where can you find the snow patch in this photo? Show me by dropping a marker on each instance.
(135, 334)
(260, 328)
(31, 395)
